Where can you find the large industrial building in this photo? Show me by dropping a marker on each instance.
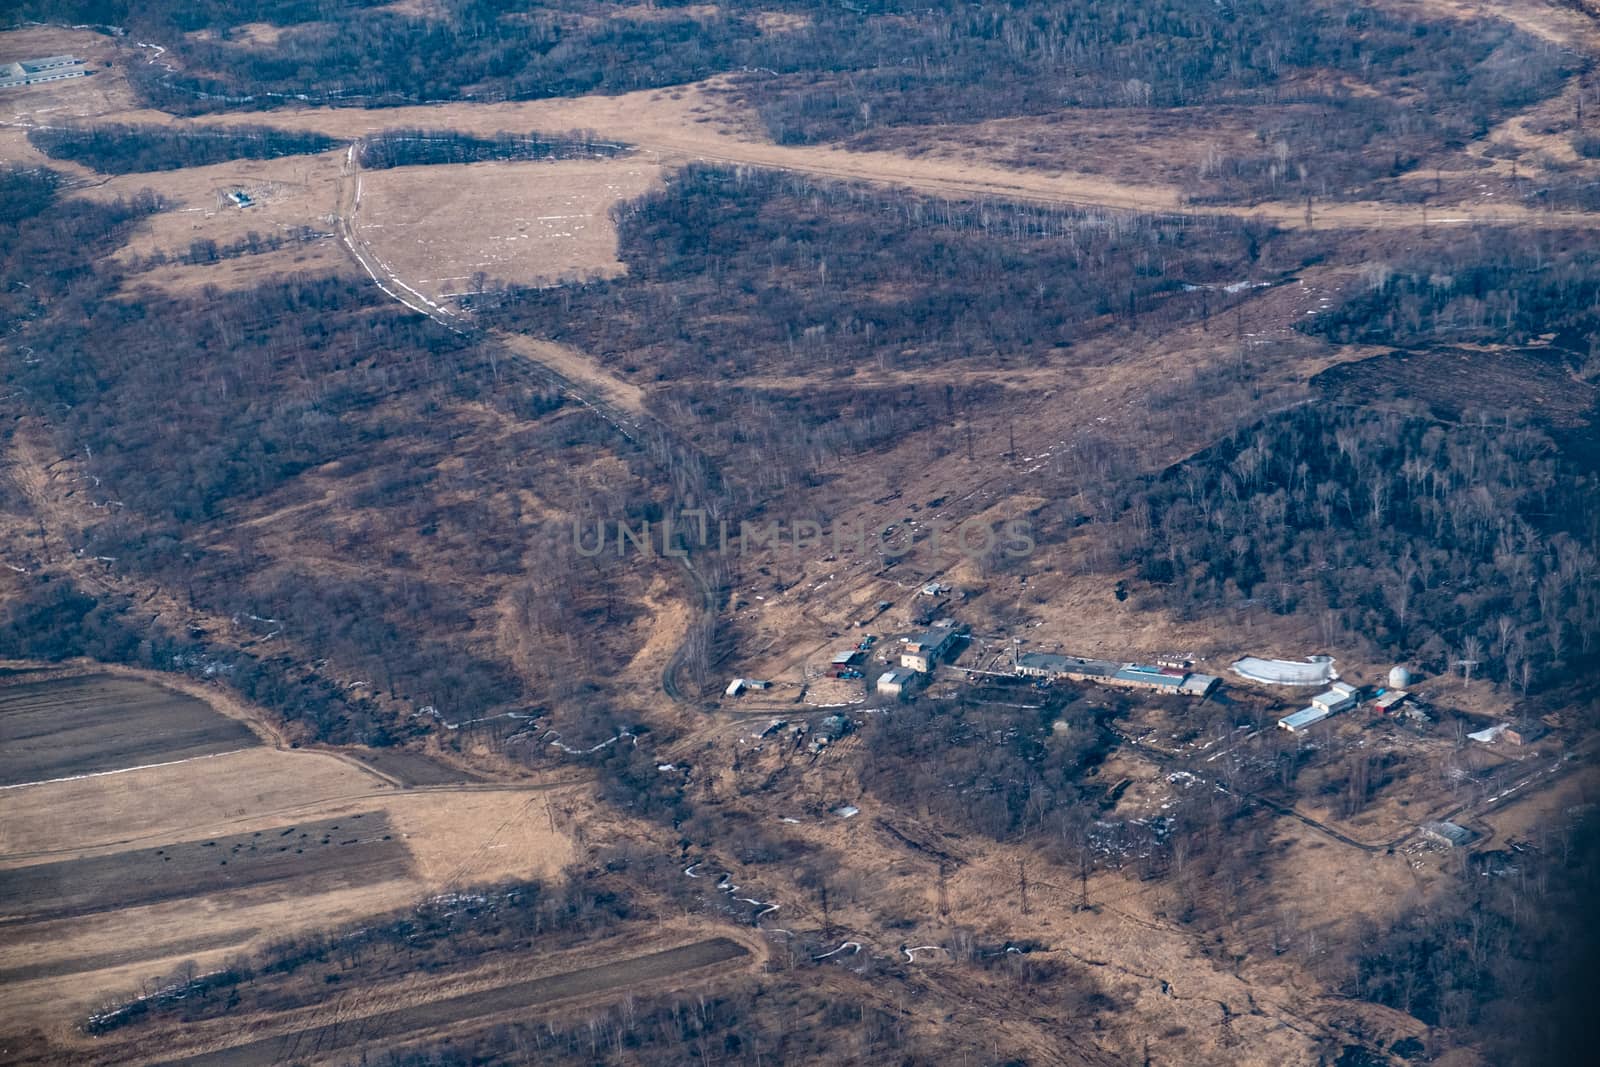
(35, 71)
(1165, 679)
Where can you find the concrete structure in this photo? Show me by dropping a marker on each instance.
(896, 682)
(921, 652)
(1448, 834)
(1399, 677)
(1314, 670)
(35, 71)
(1303, 719)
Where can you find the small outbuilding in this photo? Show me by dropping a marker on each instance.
(896, 682)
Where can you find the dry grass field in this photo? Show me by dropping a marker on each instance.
(440, 227)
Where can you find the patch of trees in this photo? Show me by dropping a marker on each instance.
(119, 148)
(48, 243)
(948, 62)
(995, 768)
(734, 272)
(454, 929)
(1472, 542)
(54, 619)
(1501, 954)
(410, 148)
(1497, 286)
(205, 250)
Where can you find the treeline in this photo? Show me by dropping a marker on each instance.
(205, 250)
(453, 929)
(1499, 286)
(464, 49)
(784, 1022)
(1438, 544)
(1336, 84)
(48, 242)
(409, 148)
(53, 620)
(118, 148)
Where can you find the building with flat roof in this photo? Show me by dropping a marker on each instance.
(1053, 665)
(896, 682)
(1303, 719)
(921, 652)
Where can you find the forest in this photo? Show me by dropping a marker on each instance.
(120, 148)
(1470, 542)
(768, 272)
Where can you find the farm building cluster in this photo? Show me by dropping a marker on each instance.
(36, 71)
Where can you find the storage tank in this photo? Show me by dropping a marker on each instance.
(1399, 677)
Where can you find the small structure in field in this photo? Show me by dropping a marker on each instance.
(739, 685)
(1490, 735)
(1400, 677)
(1448, 834)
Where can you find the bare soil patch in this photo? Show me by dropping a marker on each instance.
(92, 725)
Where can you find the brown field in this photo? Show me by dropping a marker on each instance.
(413, 768)
(99, 724)
(111, 879)
(310, 857)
